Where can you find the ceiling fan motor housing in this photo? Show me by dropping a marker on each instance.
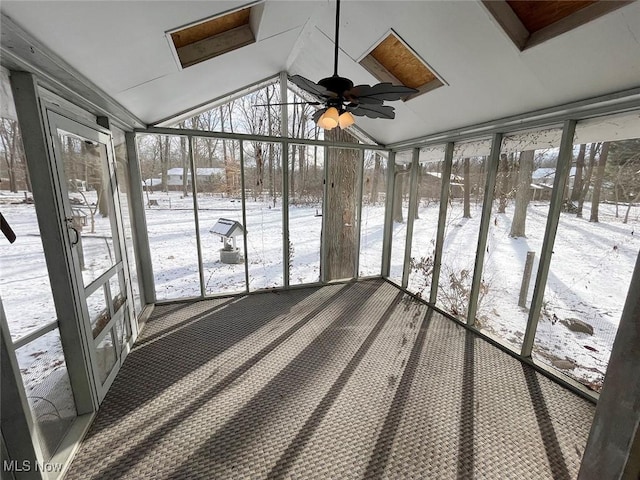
(336, 84)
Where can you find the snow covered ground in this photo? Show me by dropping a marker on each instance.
(589, 277)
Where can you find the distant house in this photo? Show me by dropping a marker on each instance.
(546, 176)
(430, 185)
(542, 182)
(204, 176)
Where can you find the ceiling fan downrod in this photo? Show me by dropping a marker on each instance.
(337, 36)
(336, 83)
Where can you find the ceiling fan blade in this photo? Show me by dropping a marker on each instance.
(309, 86)
(373, 111)
(381, 91)
(288, 103)
(364, 100)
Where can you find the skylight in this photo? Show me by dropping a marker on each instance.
(530, 23)
(392, 60)
(212, 37)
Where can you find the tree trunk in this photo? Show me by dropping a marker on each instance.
(259, 170)
(467, 190)
(164, 162)
(419, 180)
(398, 179)
(270, 160)
(225, 158)
(503, 187)
(577, 181)
(184, 153)
(522, 194)
(587, 180)
(301, 169)
(616, 193)
(629, 204)
(597, 184)
(373, 195)
(340, 221)
(8, 129)
(272, 192)
(292, 180)
(481, 175)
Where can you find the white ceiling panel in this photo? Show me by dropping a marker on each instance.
(163, 97)
(121, 46)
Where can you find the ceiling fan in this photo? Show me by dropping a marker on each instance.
(342, 100)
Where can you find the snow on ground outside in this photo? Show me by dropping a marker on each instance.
(589, 278)
(591, 287)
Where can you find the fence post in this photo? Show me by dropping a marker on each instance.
(526, 279)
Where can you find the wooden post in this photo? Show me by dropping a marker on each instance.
(526, 279)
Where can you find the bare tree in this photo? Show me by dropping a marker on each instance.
(225, 151)
(84, 159)
(624, 160)
(164, 161)
(184, 157)
(11, 149)
(518, 225)
(373, 195)
(597, 184)
(398, 192)
(503, 181)
(467, 189)
(577, 180)
(593, 149)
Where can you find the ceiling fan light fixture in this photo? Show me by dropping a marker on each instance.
(346, 120)
(329, 119)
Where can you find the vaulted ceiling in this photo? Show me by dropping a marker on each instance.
(122, 47)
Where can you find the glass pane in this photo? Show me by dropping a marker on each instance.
(399, 214)
(306, 191)
(594, 252)
(300, 115)
(526, 170)
(46, 383)
(245, 114)
(105, 356)
(24, 280)
(119, 327)
(425, 225)
(462, 226)
(219, 199)
(90, 197)
(124, 186)
(373, 209)
(127, 331)
(115, 287)
(264, 215)
(170, 215)
(98, 311)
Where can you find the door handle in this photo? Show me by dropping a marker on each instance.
(77, 236)
(69, 221)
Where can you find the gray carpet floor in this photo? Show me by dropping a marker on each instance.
(336, 382)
